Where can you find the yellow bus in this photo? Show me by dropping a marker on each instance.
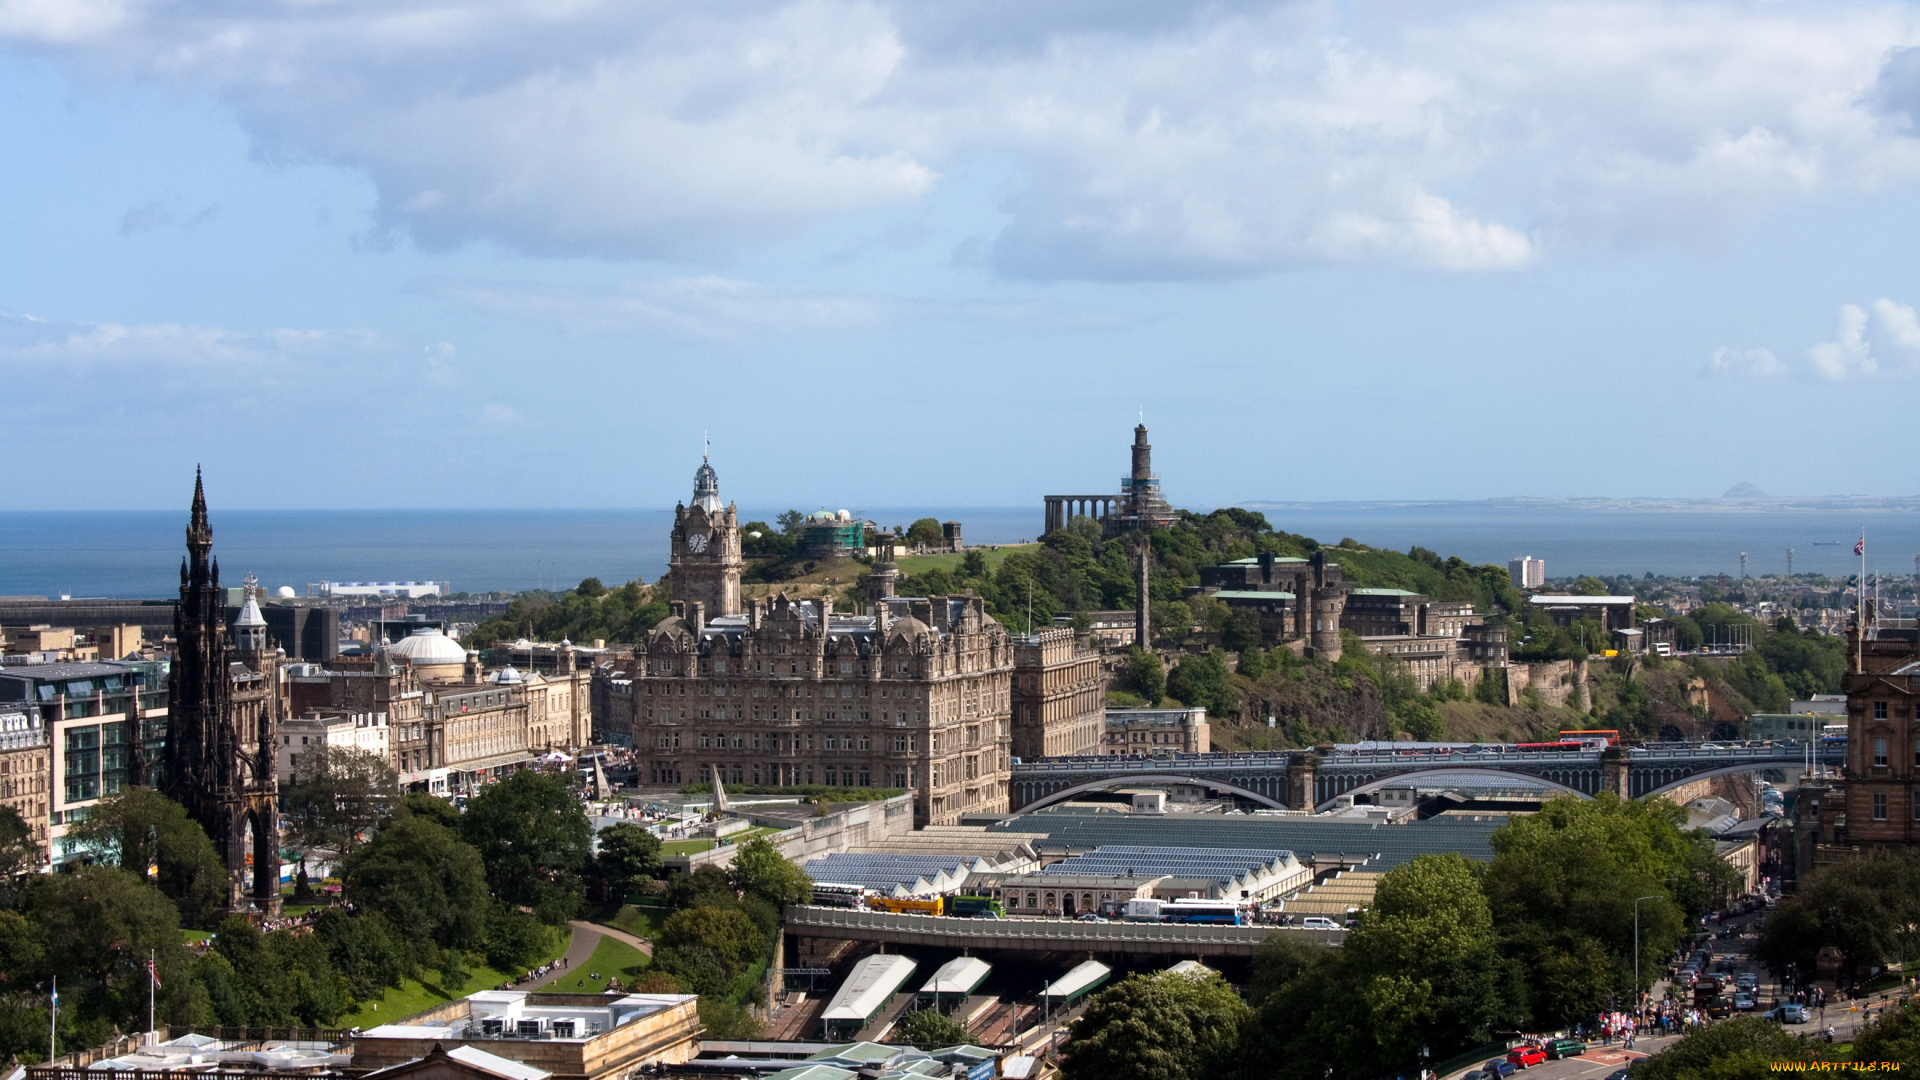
(909, 905)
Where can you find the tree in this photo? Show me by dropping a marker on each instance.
(1739, 1047)
(590, 587)
(1242, 630)
(423, 880)
(432, 807)
(19, 855)
(926, 533)
(151, 836)
(1563, 884)
(629, 855)
(338, 795)
(931, 1029)
(97, 928)
(1156, 1027)
(1895, 1036)
(704, 947)
(760, 870)
(791, 521)
(1867, 907)
(1253, 663)
(534, 839)
(1203, 681)
(1146, 675)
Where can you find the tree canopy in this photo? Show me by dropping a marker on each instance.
(1156, 1027)
(534, 839)
(338, 796)
(150, 835)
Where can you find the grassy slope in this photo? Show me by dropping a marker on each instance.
(610, 959)
(638, 921)
(920, 564)
(413, 996)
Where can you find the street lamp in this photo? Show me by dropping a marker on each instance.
(1636, 948)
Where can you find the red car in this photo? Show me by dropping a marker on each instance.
(1526, 1056)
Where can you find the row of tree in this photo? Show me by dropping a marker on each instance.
(428, 892)
(1449, 953)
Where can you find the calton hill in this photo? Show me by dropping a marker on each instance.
(1209, 655)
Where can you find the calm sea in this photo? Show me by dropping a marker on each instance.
(137, 554)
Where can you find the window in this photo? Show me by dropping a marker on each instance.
(1879, 710)
(1880, 752)
(1879, 806)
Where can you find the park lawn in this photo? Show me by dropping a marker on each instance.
(920, 564)
(195, 937)
(414, 996)
(611, 958)
(695, 846)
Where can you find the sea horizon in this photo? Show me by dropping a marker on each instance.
(136, 553)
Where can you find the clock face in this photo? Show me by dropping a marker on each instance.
(697, 543)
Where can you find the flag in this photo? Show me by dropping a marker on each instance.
(153, 973)
(1860, 548)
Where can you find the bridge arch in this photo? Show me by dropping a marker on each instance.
(1670, 778)
(1130, 780)
(1377, 783)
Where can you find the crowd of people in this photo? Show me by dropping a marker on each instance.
(536, 974)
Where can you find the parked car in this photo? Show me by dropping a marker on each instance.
(1499, 1067)
(1566, 1048)
(1479, 1074)
(1526, 1057)
(1618, 1074)
(1788, 1014)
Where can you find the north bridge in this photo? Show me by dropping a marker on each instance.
(1299, 779)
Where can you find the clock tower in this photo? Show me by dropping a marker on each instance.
(706, 558)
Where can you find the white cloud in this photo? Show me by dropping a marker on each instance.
(29, 342)
(1743, 362)
(1143, 140)
(1883, 342)
(706, 305)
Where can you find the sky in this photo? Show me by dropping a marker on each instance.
(531, 253)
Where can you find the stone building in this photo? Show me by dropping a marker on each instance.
(1315, 589)
(26, 772)
(1146, 732)
(451, 725)
(1059, 695)
(226, 698)
(707, 558)
(915, 695)
(1880, 795)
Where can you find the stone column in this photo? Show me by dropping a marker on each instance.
(1614, 773)
(1142, 629)
(1301, 769)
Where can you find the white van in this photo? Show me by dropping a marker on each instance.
(1319, 922)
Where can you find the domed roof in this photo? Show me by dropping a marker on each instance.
(908, 626)
(285, 592)
(507, 675)
(428, 646)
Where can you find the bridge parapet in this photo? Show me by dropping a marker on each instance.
(1040, 935)
(1301, 779)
